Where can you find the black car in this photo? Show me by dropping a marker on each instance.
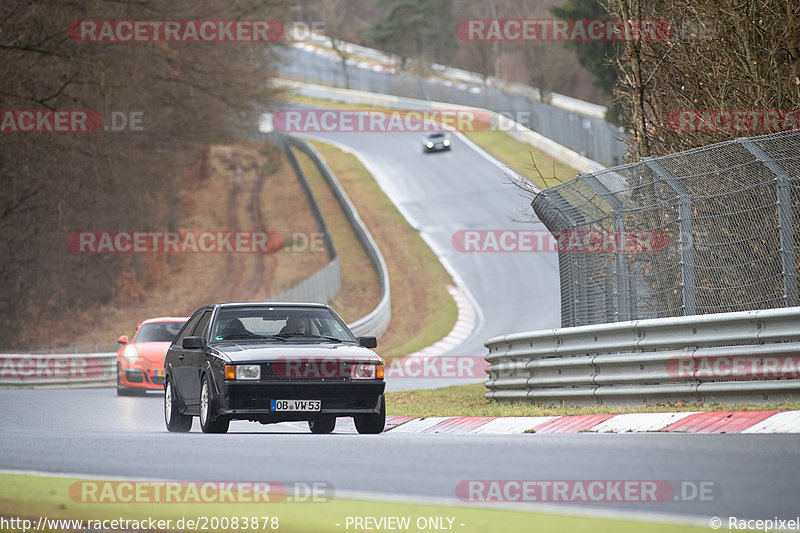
(436, 142)
(272, 362)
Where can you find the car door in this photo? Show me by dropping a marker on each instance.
(175, 361)
(193, 361)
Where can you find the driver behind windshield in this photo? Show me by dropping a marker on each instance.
(233, 328)
(295, 326)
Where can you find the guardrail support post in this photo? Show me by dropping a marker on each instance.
(782, 189)
(685, 228)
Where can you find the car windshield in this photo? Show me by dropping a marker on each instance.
(279, 323)
(436, 135)
(158, 332)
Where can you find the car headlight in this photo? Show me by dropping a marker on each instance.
(446, 142)
(429, 144)
(364, 371)
(130, 353)
(243, 372)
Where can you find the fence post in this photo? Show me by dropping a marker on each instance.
(784, 203)
(621, 289)
(685, 225)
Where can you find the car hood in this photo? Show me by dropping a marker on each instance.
(253, 352)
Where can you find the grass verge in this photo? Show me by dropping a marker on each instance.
(361, 288)
(539, 168)
(422, 310)
(468, 400)
(33, 496)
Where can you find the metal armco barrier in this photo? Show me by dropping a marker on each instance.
(742, 357)
(321, 286)
(516, 130)
(58, 370)
(376, 322)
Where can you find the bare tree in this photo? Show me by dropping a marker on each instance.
(726, 56)
(340, 28)
(186, 96)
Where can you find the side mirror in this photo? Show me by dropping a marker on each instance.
(368, 342)
(123, 339)
(193, 343)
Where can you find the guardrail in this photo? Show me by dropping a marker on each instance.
(742, 357)
(301, 35)
(321, 286)
(376, 322)
(513, 128)
(58, 370)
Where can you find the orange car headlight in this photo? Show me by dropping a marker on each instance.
(130, 353)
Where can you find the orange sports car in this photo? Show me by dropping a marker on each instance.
(140, 362)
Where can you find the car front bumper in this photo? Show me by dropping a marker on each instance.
(141, 375)
(251, 401)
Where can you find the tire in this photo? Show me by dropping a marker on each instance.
(372, 423)
(176, 421)
(323, 424)
(209, 421)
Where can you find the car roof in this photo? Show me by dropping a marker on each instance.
(165, 319)
(272, 304)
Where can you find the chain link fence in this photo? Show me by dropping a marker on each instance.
(710, 230)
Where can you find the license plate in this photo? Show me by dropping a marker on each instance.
(159, 373)
(295, 405)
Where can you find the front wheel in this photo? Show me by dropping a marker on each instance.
(322, 424)
(209, 421)
(176, 421)
(373, 422)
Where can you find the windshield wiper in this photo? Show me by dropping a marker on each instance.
(285, 336)
(234, 336)
(332, 339)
